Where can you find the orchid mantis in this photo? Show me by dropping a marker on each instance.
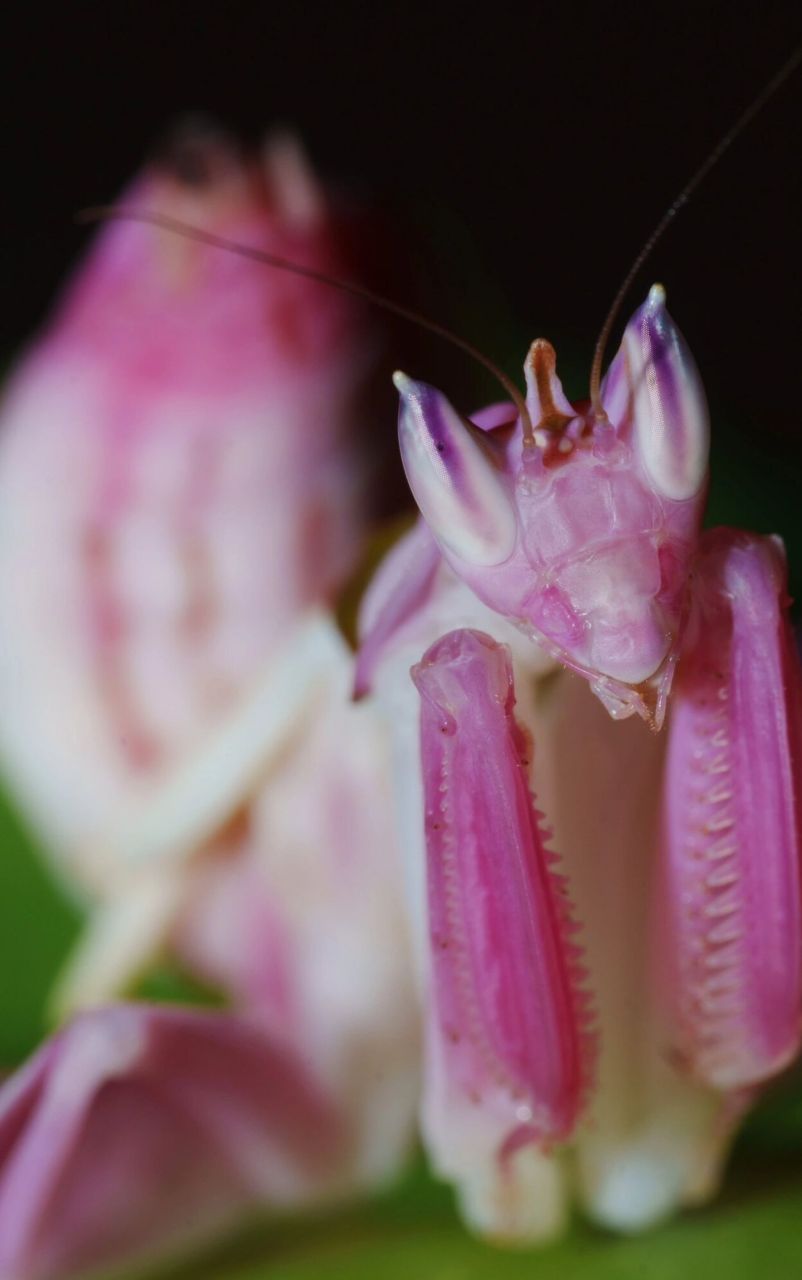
(569, 537)
(600, 1001)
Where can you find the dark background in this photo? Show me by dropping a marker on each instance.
(531, 154)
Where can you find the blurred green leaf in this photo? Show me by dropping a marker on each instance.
(755, 484)
(37, 927)
(774, 1127)
(168, 983)
(750, 1233)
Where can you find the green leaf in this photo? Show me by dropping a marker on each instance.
(38, 924)
(169, 983)
(750, 1233)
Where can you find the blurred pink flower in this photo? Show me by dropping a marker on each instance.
(182, 492)
(138, 1130)
(295, 912)
(179, 480)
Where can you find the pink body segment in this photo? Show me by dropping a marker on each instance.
(730, 899)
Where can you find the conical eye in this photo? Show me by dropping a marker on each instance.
(654, 385)
(454, 480)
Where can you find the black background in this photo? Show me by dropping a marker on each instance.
(538, 149)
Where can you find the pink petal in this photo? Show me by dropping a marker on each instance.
(179, 480)
(140, 1129)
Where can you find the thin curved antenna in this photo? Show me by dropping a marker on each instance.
(107, 213)
(755, 106)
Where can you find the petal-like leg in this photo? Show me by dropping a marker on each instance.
(140, 1129)
(391, 642)
(508, 1043)
(731, 948)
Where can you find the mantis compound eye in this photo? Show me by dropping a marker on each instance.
(453, 477)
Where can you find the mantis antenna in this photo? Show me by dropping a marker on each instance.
(190, 232)
(177, 227)
(713, 157)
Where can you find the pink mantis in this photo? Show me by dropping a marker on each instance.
(652, 994)
(571, 535)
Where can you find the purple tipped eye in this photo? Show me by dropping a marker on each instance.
(455, 483)
(666, 401)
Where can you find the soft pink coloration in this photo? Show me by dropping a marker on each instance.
(584, 535)
(292, 909)
(506, 1061)
(577, 540)
(504, 1191)
(140, 1129)
(179, 498)
(653, 1138)
(178, 482)
(297, 913)
(731, 820)
(506, 1000)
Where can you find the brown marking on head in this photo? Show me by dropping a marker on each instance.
(649, 694)
(542, 360)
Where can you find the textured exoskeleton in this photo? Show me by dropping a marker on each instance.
(506, 1033)
(731, 820)
(582, 535)
(575, 540)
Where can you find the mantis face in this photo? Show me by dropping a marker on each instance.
(583, 534)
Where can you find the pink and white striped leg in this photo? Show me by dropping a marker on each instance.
(731, 946)
(508, 1041)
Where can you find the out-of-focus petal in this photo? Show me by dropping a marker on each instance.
(141, 1129)
(178, 481)
(138, 868)
(298, 912)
